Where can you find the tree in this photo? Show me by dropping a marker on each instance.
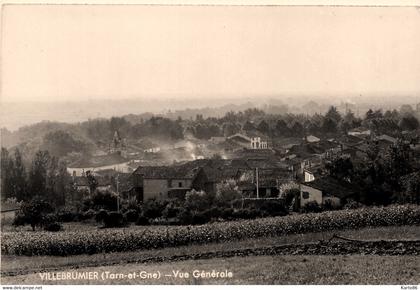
(93, 183)
(263, 127)
(38, 173)
(230, 129)
(411, 186)
(33, 213)
(349, 122)
(61, 185)
(118, 124)
(372, 151)
(248, 126)
(333, 114)
(369, 114)
(7, 166)
(396, 163)
(227, 191)
(392, 114)
(341, 169)
(19, 177)
(60, 143)
(329, 126)
(198, 200)
(281, 128)
(409, 122)
(297, 129)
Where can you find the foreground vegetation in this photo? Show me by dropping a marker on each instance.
(129, 239)
(13, 265)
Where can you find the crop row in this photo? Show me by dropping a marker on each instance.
(137, 238)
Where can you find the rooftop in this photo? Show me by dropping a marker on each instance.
(333, 187)
(98, 161)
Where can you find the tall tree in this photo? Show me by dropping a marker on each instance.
(62, 184)
(19, 177)
(6, 174)
(409, 122)
(333, 114)
(329, 126)
(349, 122)
(397, 163)
(297, 129)
(263, 127)
(282, 129)
(38, 174)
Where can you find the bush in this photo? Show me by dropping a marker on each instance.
(227, 191)
(153, 208)
(352, 204)
(227, 213)
(87, 215)
(184, 217)
(171, 210)
(101, 200)
(199, 218)
(273, 207)
(328, 205)
(101, 215)
(114, 219)
(215, 212)
(246, 213)
(49, 219)
(53, 227)
(131, 215)
(142, 221)
(312, 206)
(33, 213)
(19, 220)
(66, 216)
(198, 200)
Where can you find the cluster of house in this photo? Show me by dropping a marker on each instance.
(258, 169)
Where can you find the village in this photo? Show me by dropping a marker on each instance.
(261, 167)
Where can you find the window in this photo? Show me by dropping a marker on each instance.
(305, 195)
(179, 184)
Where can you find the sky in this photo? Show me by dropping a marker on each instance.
(62, 53)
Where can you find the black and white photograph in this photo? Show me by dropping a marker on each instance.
(210, 144)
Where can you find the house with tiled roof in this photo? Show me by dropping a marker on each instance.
(159, 182)
(360, 132)
(326, 189)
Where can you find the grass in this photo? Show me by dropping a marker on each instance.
(277, 270)
(23, 264)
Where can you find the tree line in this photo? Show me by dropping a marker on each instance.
(46, 177)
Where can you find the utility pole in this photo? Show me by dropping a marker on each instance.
(258, 189)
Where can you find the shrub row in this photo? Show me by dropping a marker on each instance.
(130, 239)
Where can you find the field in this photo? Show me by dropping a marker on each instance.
(341, 269)
(141, 238)
(263, 251)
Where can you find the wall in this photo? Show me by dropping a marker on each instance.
(314, 195)
(122, 167)
(335, 201)
(309, 177)
(155, 188)
(186, 183)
